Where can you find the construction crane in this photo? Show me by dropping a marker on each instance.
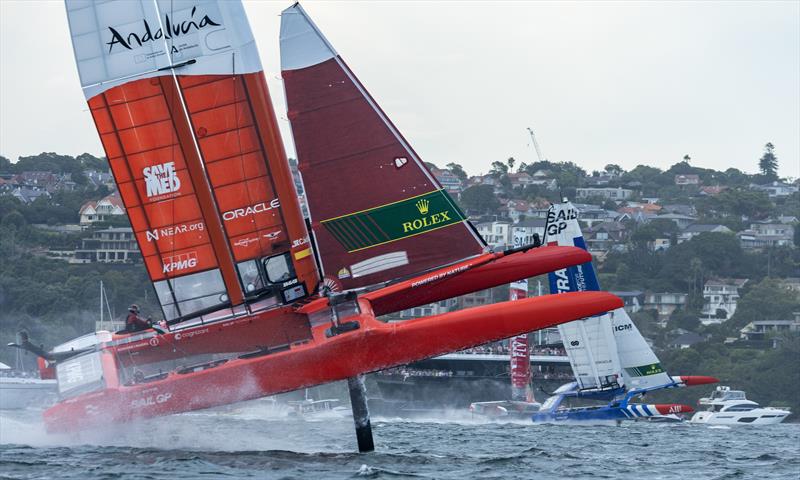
(536, 145)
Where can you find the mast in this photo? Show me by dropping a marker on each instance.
(101, 305)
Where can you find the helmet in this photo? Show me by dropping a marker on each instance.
(133, 308)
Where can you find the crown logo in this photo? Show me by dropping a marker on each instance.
(422, 206)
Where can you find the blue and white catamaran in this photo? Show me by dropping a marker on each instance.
(610, 359)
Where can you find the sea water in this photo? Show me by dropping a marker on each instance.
(259, 440)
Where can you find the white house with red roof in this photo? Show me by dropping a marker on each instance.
(101, 210)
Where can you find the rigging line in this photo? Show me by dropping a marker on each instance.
(265, 159)
(242, 167)
(177, 306)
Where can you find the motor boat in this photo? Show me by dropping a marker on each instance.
(19, 389)
(310, 408)
(731, 407)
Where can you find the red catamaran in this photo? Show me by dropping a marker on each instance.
(259, 301)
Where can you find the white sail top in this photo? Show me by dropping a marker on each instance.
(120, 40)
(302, 44)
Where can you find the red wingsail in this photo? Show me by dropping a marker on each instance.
(178, 96)
(377, 212)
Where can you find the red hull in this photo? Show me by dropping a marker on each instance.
(379, 346)
(280, 326)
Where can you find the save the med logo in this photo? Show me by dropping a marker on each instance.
(161, 179)
(394, 221)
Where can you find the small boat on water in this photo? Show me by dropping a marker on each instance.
(731, 407)
(522, 404)
(312, 408)
(19, 389)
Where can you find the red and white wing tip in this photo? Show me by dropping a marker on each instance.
(692, 380)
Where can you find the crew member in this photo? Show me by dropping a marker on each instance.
(135, 323)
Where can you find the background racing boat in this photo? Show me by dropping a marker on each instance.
(610, 359)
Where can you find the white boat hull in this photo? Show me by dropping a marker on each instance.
(17, 393)
(759, 416)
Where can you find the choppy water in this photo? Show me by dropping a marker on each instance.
(256, 440)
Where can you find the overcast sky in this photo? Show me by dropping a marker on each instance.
(620, 82)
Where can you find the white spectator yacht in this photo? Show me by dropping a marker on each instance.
(730, 407)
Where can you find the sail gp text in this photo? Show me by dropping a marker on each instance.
(151, 400)
(557, 222)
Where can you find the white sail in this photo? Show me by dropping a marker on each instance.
(589, 342)
(604, 346)
(641, 368)
(115, 42)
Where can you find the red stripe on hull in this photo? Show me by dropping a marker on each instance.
(379, 346)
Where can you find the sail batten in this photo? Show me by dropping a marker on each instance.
(377, 213)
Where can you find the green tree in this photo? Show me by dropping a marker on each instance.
(767, 300)
(684, 320)
(48, 162)
(90, 162)
(5, 165)
(9, 204)
(768, 164)
(656, 228)
(480, 198)
(733, 177)
(499, 169)
(458, 171)
(510, 162)
(613, 169)
(13, 219)
(740, 202)
(651, 178)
